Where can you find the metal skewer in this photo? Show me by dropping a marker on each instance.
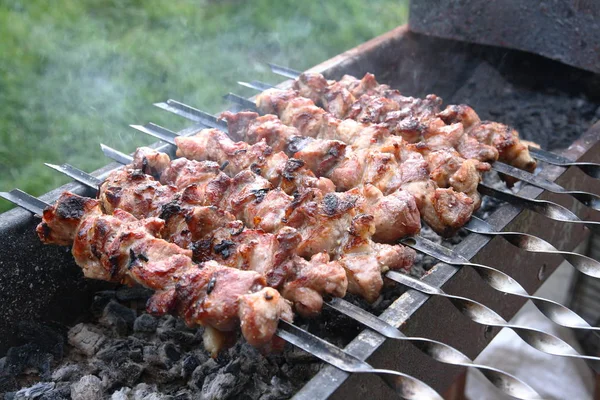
(502, 282)
(591, 169)
(404, 385)
(534, 244)
(437, 350)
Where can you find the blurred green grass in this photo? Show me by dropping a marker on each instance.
(74, 74)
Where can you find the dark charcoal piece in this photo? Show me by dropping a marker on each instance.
(46, 338)
(188, 365)
(118, 317)
(27, 356)
(145, 323)
(126, 293)
(101, 299)
(8, 383)
(169, 354)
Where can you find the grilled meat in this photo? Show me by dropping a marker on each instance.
(324, 223)
(193, 223)
(122, 248)
(365, 100)
(362, 156)
(397, 214)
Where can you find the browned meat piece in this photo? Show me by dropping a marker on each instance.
(150, 161)
(59, 224)
(252, 128)
(395, 216)
(506, 140)
(365, 261)
(135, 192)
(260, 313)
(183, 172)
(312, 280)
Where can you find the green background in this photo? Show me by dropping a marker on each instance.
(74, 74)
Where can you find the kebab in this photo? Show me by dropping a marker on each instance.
(443, 209)
(367, 101)
(315, 122)
(328, 223)
(122, 248)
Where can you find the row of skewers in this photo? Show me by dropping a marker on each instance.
(309, 203)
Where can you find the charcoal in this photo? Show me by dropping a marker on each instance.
(29, 355)
(150, 354)
(145, 323)
(68, 372)
(8, 383)
(200, 373)
(101, 299)
(121, 394)
(116, 351)
(183, 395)
(187, 338)
(86, 338)
(126, 293)
(189, 364)
(89, 387)
(143, 391)
(34, 391)
(46, 338)
(125, 374)
(118, 317)
(222, 386)
(169, 354)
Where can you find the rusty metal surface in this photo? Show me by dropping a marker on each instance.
(567, 31)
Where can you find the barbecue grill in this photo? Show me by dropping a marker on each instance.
(43, 283)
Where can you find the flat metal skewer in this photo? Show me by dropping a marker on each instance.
(534, 244)
(589, 168)
(437, 350)
(502, 282)
(404, 385)
(481, 314)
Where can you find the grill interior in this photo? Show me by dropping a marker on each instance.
(503, 85)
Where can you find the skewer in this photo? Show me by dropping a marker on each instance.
(534, 244)
(589, 168)
(500, 281)
(478, 312)
(404, 385)
(590, 200)
(543, 207)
